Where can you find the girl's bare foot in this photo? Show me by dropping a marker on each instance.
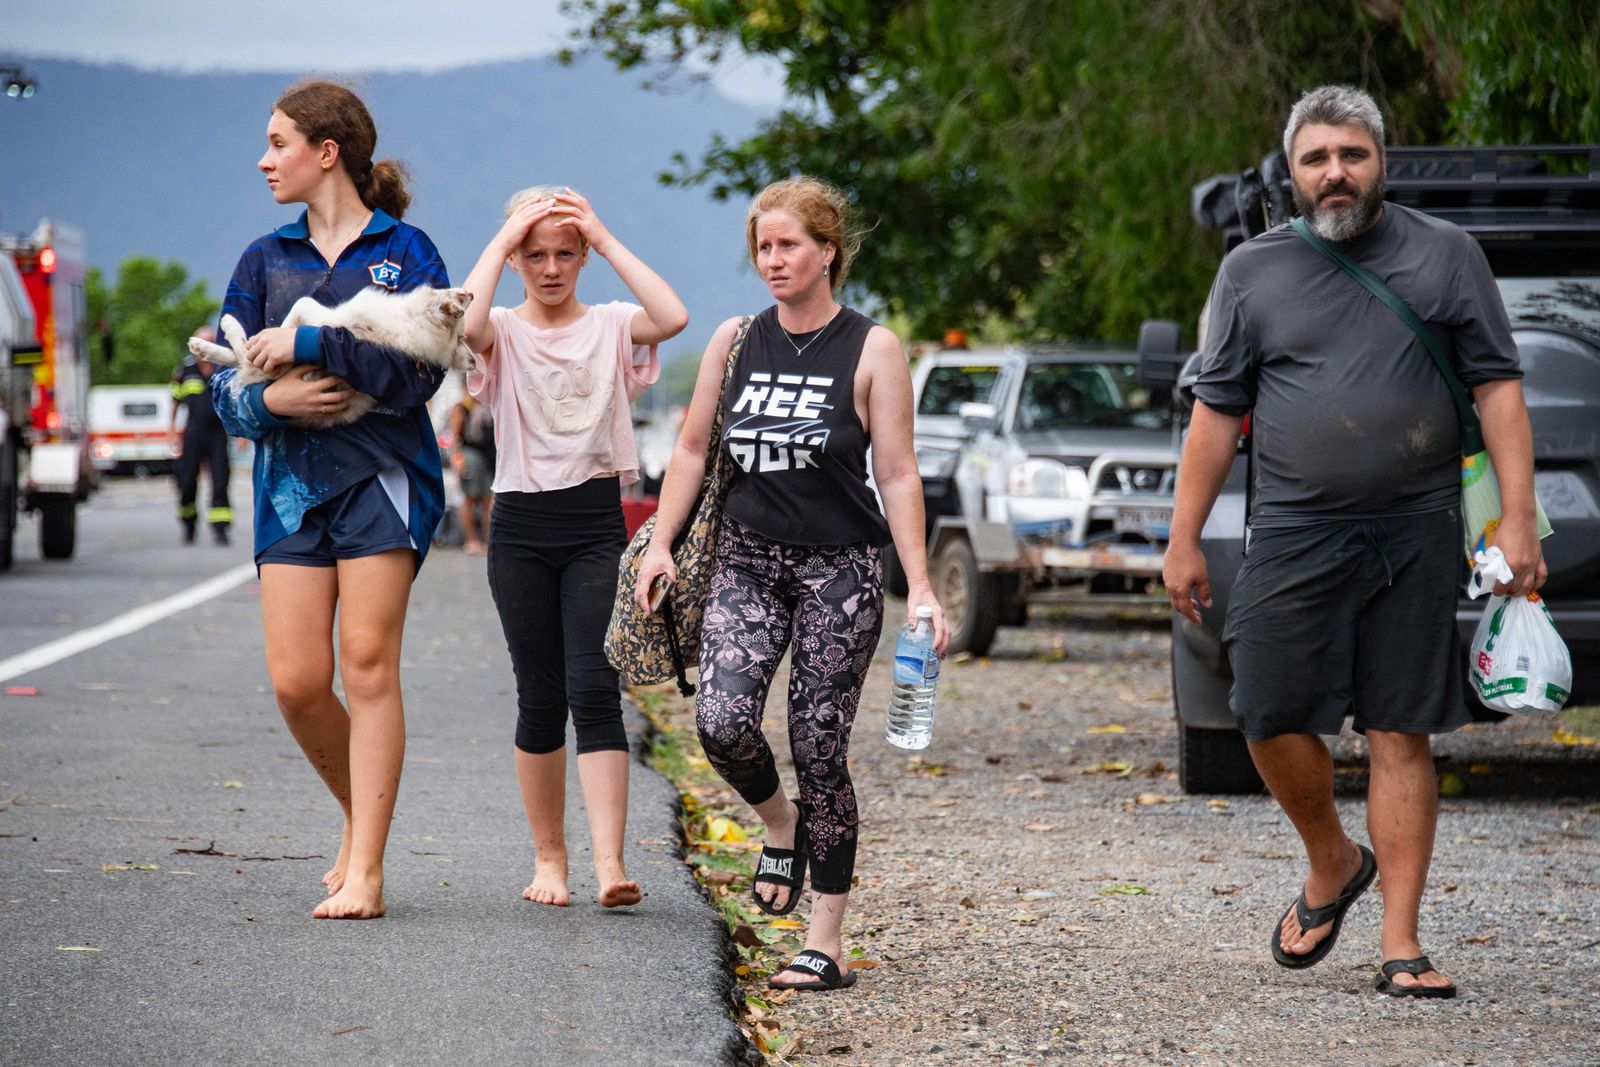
(549, 885)
(358, 898)
(334, 879)
(617, 890)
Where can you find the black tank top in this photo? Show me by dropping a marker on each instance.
(798, 448)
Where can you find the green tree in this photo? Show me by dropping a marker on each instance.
(1030, 161)
(148, 313)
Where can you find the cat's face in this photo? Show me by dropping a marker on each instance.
(292, 166)
(549, 261)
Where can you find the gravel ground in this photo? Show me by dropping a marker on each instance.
(1034, 888)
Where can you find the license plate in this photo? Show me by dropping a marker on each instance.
(1151, 522)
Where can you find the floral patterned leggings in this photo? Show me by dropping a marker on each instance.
(825, 602)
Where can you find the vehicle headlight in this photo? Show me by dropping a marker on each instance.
(936, 462)
(1047, 478)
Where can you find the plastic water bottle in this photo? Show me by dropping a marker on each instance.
(916, 674)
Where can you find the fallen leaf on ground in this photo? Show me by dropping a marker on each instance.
(1024, 705)
(745, 934)
(1125, 891)
(233, 783)
(1120, 768)
(1040, 827)
(967, 902)
(1479, 939)
(787, 924)
(721, 828)
(1570, 739)
(718, 877)
(945, 802)
(863, 965)
(1224, 890)
(1022, 917)
(1110, 728)
(76, 948)
(1148, 800)
(1217, 803)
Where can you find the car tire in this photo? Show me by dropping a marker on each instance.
(970, 598)
(58, 528)
(1210, 760)
(894, 575)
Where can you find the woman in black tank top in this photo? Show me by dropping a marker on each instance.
(798, 563)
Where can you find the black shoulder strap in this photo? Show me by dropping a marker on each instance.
(1471, 432)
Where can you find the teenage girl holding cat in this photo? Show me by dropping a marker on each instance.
(559, 376)
(344, 516)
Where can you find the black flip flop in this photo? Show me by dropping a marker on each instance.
(1310, 918)
(1417, 967)
(784, 867)
(819, 964)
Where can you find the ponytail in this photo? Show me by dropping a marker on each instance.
(385, 188)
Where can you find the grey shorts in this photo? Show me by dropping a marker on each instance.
(1354, 617)
(477, 473)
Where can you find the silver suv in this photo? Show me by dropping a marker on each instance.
(1047, 474)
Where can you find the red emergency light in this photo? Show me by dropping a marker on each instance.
(47, 260)
(52, 421)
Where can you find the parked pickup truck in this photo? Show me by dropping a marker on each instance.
(1536, 213)
(1047, 474)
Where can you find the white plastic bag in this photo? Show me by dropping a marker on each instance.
(1519, 663)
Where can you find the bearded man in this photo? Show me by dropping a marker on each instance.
(1345, 604)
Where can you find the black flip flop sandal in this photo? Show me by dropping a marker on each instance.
(1310, 918)
(1417, 967)
(784, 867)
(821, 966)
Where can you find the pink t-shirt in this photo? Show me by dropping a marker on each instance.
(560, 397)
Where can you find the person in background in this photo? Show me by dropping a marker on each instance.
(203, 441)
(559, 377)
(798, 561)
(343, 516)
(473, 457)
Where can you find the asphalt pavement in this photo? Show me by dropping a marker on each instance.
(162, 841)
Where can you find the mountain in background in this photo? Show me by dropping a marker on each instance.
(163, 164)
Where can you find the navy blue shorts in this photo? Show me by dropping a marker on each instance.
(361, 521)
(1354, 617)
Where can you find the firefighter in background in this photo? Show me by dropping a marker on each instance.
(204, 442)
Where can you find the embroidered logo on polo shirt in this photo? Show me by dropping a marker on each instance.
(386, 274)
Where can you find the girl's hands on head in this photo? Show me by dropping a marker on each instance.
(272, 349)
(297, 394)
(525, 218)
(575, 210)
(919, 594)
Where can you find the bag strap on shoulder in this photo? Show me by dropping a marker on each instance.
(1471, 432)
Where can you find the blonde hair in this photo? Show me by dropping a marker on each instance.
(540, 192)
(821, 208)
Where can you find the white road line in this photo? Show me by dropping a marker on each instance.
(125, 624)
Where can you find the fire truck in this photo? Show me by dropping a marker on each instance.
(44, 387)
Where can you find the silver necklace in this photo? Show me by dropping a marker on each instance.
(800, 350)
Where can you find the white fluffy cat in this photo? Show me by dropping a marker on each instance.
(423, 323)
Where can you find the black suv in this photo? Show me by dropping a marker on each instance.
(1536, 213)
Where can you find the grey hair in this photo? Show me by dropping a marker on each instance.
(1333, 105)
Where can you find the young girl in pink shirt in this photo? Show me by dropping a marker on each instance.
(559, 377)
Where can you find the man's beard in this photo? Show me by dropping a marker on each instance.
(1342, 223)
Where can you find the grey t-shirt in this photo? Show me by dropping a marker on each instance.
(1350, 416)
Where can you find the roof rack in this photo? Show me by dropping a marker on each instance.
(1488, 190)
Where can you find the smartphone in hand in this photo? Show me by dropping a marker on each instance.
(658, 592)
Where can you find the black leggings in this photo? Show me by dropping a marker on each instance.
(825, 603)
(553, 573)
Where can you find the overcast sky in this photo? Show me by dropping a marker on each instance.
(313, 35)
